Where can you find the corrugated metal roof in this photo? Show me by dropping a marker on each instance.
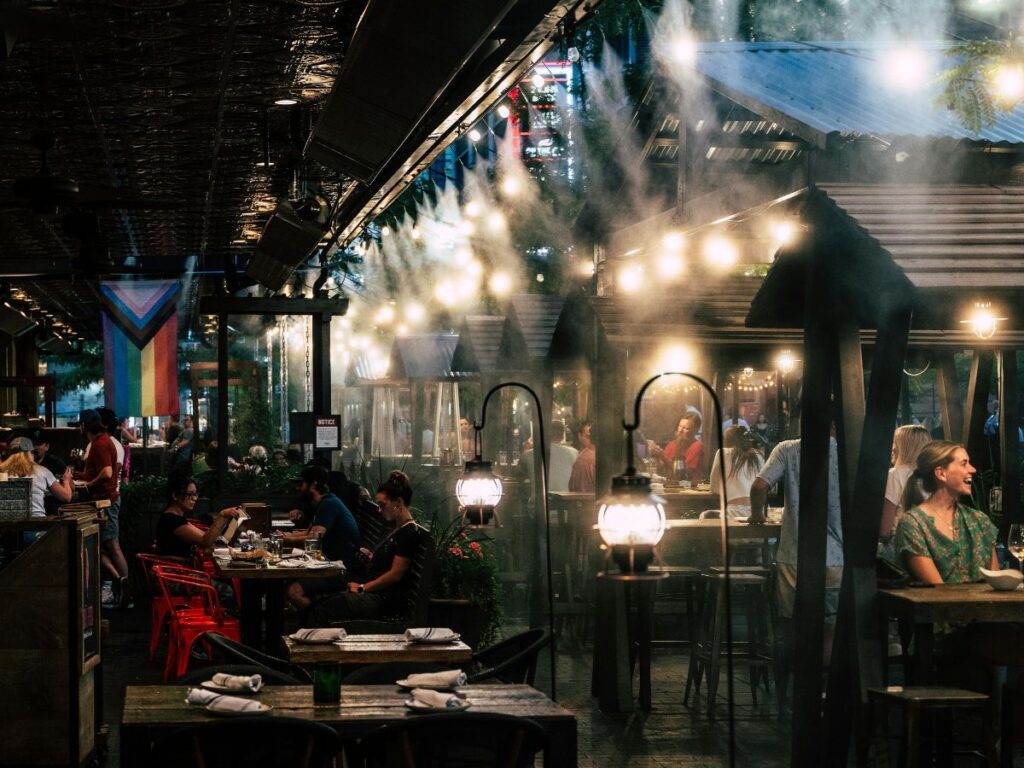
(479, 341)
(425, 356)
(531, 319)
(943, 237)
(839, 88)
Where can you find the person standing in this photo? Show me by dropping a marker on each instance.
(182, 447)
(100, 480)
(583, 478)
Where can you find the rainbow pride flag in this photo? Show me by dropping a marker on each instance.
(140, 338)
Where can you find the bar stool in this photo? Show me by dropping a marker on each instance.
(680, 586)
(915, 700)
(706, 655)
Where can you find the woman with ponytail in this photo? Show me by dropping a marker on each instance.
(743, 460)
(907, 443)
(941, 540)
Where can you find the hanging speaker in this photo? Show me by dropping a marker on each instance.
(286, 243)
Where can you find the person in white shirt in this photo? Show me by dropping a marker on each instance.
(561, 458)
(907, 443)
(43, 481)
(743, 461)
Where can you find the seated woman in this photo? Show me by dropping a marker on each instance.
(941, 540)
(175, 536)
(743, 461)
(386, 588)
(907, 443)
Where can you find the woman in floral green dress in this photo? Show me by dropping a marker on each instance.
(941, 540)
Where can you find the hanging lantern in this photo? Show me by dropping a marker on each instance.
(631, 521)
(479, 492)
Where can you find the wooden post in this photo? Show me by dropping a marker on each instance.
(606, 417)
(1009, 447)
(978, 387)
(418, 394)
(856, 664)
(950, 398)
(223, 431)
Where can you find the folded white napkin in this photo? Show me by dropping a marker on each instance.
(447, 679)
(419, 634)
(297, 552)
(238, 682)
(235, 704)
(435, 699)
(222, 553)
(319, 635)
(200, 696)
(295, 562)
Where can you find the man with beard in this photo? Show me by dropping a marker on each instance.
(336, 527)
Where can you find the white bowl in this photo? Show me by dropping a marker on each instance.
(1005, 581)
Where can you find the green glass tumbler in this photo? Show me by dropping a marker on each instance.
(326, 682)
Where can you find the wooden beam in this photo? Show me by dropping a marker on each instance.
(606, 414)
(856, 664)
(950, 400)
(1009, 447)
(976, 412)
(222, 401)
(271, 305)
(820, 350)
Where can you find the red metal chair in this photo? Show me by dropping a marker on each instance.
(160, 606)
(185, 627)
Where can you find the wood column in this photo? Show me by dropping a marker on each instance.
(223, 428)
(606, 414)
(1009, 447)
(26, 363)
(976, 411)
(418, 394)
(950, 398)
(856, 663)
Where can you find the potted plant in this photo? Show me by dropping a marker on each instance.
(466, 590)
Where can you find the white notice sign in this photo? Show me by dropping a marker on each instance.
(326, 432)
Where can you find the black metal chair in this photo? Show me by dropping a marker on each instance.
(243, 742)
(456, 740)
(513, 660)
(243, 654)
(270, 676)
(388, 673)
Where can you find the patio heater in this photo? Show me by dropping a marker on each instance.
(631, 521)
(479, 492)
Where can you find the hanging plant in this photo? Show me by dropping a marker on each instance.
(986, 79)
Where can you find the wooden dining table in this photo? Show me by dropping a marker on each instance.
(377, 649)
(153, 711)
(269, 582)
(919, 609)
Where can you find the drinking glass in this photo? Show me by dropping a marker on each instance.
(313, 547)
(326, 682)
(1015, 543)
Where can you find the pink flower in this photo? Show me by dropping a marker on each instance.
(456, 551)
(474, 545)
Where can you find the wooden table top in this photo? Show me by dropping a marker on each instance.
(955, 602)
(164, 705)
(274, 572)
(737, 530)
(377, 649)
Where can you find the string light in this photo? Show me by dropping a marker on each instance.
(1008, 82)
(510, 186)
(785, 362)
(415, 313)
(537, 80)
(719, 252)
(474, 135)
(500, 284)
(496, 221)
(504, 111)
(631, 278)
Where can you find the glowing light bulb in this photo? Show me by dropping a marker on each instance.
(385, 231)
(474, 268)
(540, 277)
(500, 283)
(983, 320)
(474, 135)
(537, 80)
(384, 315)
(445, 293)
(417, 233)
(785, 362)
(415, 312)
(510, 186)
(675, 357)
(720, 252)
(906, 68)
(462, 256)
(587, 268)
(683, 50)
(631, 278)
(286, 102)
(784, 232)
(673, 241)
(1008, 82)
(472, 209)
(670, 265)
(496, 221)
(504, 111)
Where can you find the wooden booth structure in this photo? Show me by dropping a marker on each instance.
(878, 270)
(50, 651)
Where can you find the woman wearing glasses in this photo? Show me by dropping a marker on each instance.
(175, 536)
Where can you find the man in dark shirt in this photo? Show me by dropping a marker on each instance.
(334, 523)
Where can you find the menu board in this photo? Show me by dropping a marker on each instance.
(89, 595)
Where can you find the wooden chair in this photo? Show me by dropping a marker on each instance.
(513, 660)
(244, 742)
(915, 701)
(464, 739)
(237, 653)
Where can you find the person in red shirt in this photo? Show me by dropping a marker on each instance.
(100, 477)
(685, 447)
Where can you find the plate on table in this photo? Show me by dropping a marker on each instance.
(262, 709)
(419, 706)
(438, 639)
(212, 686)
(404, 683)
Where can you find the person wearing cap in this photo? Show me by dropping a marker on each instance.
(334, 523)
(41, 452)
(100, 478)
(22, 464)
